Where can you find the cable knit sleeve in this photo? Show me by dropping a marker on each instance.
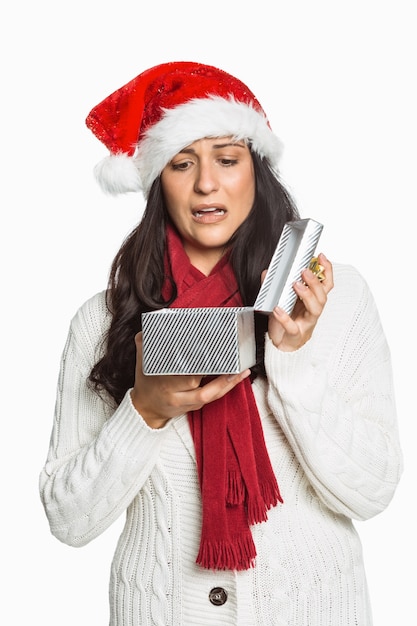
(99, 458)
(334, 400)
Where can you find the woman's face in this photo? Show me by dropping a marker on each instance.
(209, 190)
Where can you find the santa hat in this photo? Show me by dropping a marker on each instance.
(145, 123)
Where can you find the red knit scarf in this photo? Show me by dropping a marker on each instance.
(237, 482)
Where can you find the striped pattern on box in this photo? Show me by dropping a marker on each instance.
(206, 340)
(292, 255)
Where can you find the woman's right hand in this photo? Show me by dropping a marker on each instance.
(161, 397)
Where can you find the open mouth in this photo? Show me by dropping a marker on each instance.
(209, 211)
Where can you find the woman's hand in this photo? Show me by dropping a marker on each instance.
(159, 398)
(290, 332)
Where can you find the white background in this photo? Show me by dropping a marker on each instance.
(338, 81)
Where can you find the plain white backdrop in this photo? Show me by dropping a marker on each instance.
(337, 80)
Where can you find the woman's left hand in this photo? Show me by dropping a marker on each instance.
(289, 332)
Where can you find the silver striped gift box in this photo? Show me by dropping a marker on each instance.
(292, 255)
(207, 341)
(212, 341)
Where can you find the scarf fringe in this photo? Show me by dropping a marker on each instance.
(236, 490)
(256, 510)
(271, 494)
(238, 554)
(258, 506)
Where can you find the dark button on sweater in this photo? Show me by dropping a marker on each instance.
(218, 596)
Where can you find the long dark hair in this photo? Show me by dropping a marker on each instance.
(137, 275)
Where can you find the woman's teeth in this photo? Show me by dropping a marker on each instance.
(201, 212)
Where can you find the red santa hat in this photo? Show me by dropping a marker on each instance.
(145, 123)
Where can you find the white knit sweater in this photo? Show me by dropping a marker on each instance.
(329, 420)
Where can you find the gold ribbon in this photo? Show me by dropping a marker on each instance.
(316, 268)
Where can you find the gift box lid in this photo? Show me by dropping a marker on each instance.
(294, 251)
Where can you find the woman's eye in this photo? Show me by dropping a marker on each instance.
(183, 165)
(227, 162)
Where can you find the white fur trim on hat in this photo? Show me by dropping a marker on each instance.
(199, 118)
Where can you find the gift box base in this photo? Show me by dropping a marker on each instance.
(203, 341)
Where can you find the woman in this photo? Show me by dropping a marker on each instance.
(240, 490)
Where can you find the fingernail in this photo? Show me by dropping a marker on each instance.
(302, 285)
(278, 311)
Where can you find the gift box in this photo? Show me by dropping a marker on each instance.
(292, 255)
(207, 341)
(221, 340)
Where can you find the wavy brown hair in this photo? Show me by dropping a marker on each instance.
(137, 275)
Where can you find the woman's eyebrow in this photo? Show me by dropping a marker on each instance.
(238, 144)
(215, 146)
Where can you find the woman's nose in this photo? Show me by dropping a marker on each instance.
(206, 179)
